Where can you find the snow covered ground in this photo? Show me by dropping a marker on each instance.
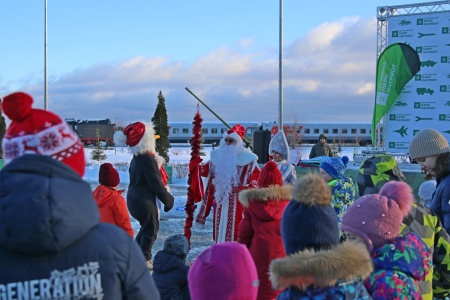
(173, 221)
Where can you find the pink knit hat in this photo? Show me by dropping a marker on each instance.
(224, 271)
(377, 218)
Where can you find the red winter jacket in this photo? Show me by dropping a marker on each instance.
(260, 230)
(113, 208)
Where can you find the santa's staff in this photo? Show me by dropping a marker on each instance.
(195, 183)
(247, 140)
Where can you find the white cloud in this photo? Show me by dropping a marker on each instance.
(327, 76)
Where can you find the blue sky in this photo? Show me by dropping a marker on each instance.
(110, 59)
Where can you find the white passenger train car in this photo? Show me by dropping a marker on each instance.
(181, 132)
(337, 132)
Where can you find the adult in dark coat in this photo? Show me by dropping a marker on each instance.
(321, 148)
(145, 184)
(170, 270)
(52, 244)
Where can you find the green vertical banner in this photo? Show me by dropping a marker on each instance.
(396, 65)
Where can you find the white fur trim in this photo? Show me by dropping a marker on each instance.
(147, 142)
(243, 158)
(120, 139)
(234, 136)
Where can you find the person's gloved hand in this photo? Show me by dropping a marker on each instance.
(168, 207)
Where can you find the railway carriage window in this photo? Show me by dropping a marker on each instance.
(185, 130)
(344, 130)
(222, 130)
(335, 131)
(297, 131)
(316, 130)
(363, 130)
(325, 130)
(213, 130)
(354, 131)
(307, 130)
(205, 130)
(176, 130)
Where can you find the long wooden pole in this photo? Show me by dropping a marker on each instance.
(246, 138)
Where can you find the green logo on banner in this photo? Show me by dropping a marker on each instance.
(391, 144)
(416, 104)
(444, 30)
(415, 131)
(423, 91)
(444, 117)
(404, 22)
(444, 59)
(402, 131)
(418, 77)
(428, 63)
(419, 22)
(395, 33)
(443, 88)
(419, 49)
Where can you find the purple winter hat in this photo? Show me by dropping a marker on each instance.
(377, 218)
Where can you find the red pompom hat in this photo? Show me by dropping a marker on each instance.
(270, 175)
(108, 175)
(41, 132)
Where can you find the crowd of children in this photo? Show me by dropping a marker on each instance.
(289, 243)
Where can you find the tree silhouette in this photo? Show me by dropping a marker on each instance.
(161, 128)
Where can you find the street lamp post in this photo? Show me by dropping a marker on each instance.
(45, 61)
(280, 77)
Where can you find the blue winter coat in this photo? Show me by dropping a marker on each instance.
(440, 203)
(52, 244)
(170, 273)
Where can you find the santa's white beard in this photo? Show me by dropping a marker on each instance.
(225, 171)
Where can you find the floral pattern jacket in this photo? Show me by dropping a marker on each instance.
(343, 193)
(398, 266)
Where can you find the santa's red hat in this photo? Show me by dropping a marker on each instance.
(270, 175)
(237, 133)
(131, 135)
(139, 136)
(36, 131)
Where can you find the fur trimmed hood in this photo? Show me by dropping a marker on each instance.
(346, 261)
(270, 193)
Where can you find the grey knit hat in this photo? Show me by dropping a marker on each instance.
(428, 142)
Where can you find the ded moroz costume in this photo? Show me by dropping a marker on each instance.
(232, 168)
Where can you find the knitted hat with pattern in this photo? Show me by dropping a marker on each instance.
(428, 142)
(41, 132)
(309, 221)
(377, 218)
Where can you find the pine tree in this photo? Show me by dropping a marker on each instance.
(98, 153)
(2, 132)
(161, 128)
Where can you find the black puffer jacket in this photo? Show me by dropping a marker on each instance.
(170, 273)
(52, 244)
